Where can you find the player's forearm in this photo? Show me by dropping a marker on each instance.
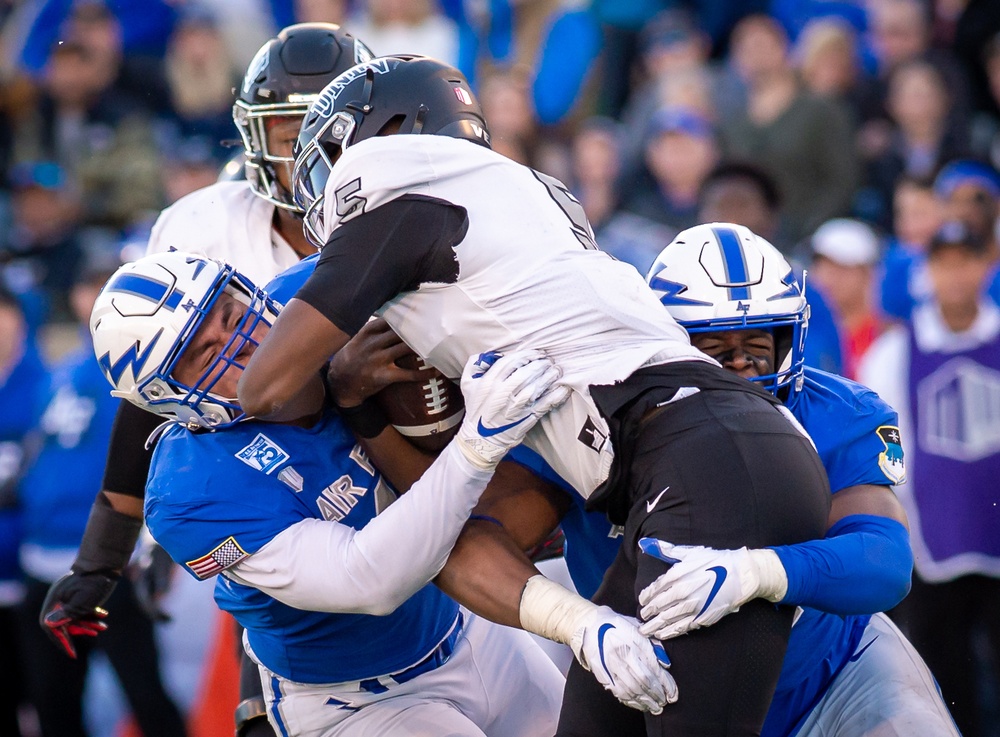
(108, 540)
(289, 359)
(862, 566)
(486, 572)
(124, 504)
(323, 566)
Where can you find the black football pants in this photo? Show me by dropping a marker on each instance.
(722, 469)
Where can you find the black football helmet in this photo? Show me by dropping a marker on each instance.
(284, 78)
(397, 94)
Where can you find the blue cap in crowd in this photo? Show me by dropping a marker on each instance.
(965, 171)
(675, 119)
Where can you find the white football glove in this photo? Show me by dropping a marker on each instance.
(623, 661)
(504, 398)
(704, 585)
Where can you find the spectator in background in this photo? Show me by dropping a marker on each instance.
(845, 253)
(805, 142)
(941, 371)
(22, 375)
(42, 240)
(901, 33)
(188, 164)
(100, 139)
(917, 215)
(506, 103)
(970, 191)
(201, 78)
(315, 11)
(596, 165)
(965, 191)
(828, 60)
(406, 27)
(145, 26)
(56, 493)
(743, 193)
(680, 151)
(673, 52)
(923, 137)
(137, 76)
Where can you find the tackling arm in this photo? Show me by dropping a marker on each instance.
(282, 380)
(375, 569)
(862, 566)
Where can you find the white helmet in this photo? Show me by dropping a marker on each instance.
(147, 314)
(721, 276)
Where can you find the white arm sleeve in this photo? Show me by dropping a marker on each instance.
(329, 567)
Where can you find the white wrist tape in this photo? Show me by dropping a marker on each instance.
(773, 581)
(478, 452)
(551, 611)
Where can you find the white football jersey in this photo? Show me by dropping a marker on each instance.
(228, 222)
(529, 276)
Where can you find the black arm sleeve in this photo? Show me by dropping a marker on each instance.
(392, 249)
(128, 460)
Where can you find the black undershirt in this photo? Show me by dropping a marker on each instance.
(389, 250)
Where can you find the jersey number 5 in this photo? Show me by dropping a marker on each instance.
(349, 203)
(571, 207)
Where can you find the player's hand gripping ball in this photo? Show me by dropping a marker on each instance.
(427, 412)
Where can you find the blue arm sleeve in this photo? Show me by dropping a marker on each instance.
(862, 566)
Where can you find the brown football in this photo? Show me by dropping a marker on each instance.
(428, 412)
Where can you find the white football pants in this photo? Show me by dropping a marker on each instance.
(497, 683)
(886, 691)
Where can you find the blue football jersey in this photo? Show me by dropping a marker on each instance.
(21, 400)
(213, 499)
(855, 432)
(58, 489)
(857, 438)
(284, 286)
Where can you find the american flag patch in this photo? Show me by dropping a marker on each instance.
(229, 553)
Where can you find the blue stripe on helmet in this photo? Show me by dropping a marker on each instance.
(734, 261)
(151, 289)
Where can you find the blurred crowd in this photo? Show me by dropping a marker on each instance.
(862, 137)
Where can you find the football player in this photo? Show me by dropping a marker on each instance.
(463, 251)
(287, 513)
(848, 671)
(248, 232)
(252, 224)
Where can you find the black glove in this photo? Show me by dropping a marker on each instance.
(151, 575)
(72, 607)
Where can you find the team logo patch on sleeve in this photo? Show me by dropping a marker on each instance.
(890, 460)
(229, 553)
(263, 454)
